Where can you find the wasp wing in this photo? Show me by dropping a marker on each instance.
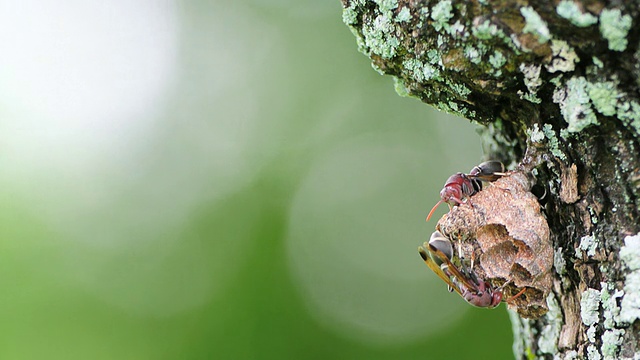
(462, 278)
(436, 269)
(488, 171)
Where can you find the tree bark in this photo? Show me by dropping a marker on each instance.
(556, 86)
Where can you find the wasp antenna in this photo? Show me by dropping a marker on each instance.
(504, 285)
(433, 209)
(516, 295)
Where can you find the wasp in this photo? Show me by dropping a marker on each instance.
(462, 186)
(438, 255)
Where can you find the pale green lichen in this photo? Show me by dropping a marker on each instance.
(379, 37)
(349, 16)
(419, 72)
(404, 15)
(591, 334)
(604, 96)
(441, 14)
(401, 88)
(520, 327)
(486, 31)
(548, 340)
(571, 355)
(455, 107)
(564, 57)
(556, 80)
(554, 143)
(611, 341)
(489, 31)
(414, 69)
(386, 5)
(440, 41)
(630, 252)
(589, 244)
(534, 24)
(532, 81)
(473, 54)
(459, 89)
(571, 11)
(589, 304)
(531, 76)
(597, 62)
(559, 263)
(497, 59)
(629, 113)
(532, 98)
(574, 105)
(360, 42)
(457, 30)
(593, 353)
(609, 298)
(614, 27)
(430, 72)
(434, 57)
(630, 256)
(448, 107)
(535, 134)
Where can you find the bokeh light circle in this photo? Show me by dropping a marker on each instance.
(117, 150)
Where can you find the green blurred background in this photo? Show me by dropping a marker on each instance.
(219, 180)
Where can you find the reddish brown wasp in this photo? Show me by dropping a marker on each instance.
(460, 186)
(437, 254)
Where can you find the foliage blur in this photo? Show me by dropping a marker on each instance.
(219, 180)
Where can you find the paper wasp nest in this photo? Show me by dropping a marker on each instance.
(506, 234)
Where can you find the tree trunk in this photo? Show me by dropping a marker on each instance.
(556, 86)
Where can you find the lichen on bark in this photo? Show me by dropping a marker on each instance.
(557, 87)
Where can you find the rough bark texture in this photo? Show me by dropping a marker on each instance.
(556, 83)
